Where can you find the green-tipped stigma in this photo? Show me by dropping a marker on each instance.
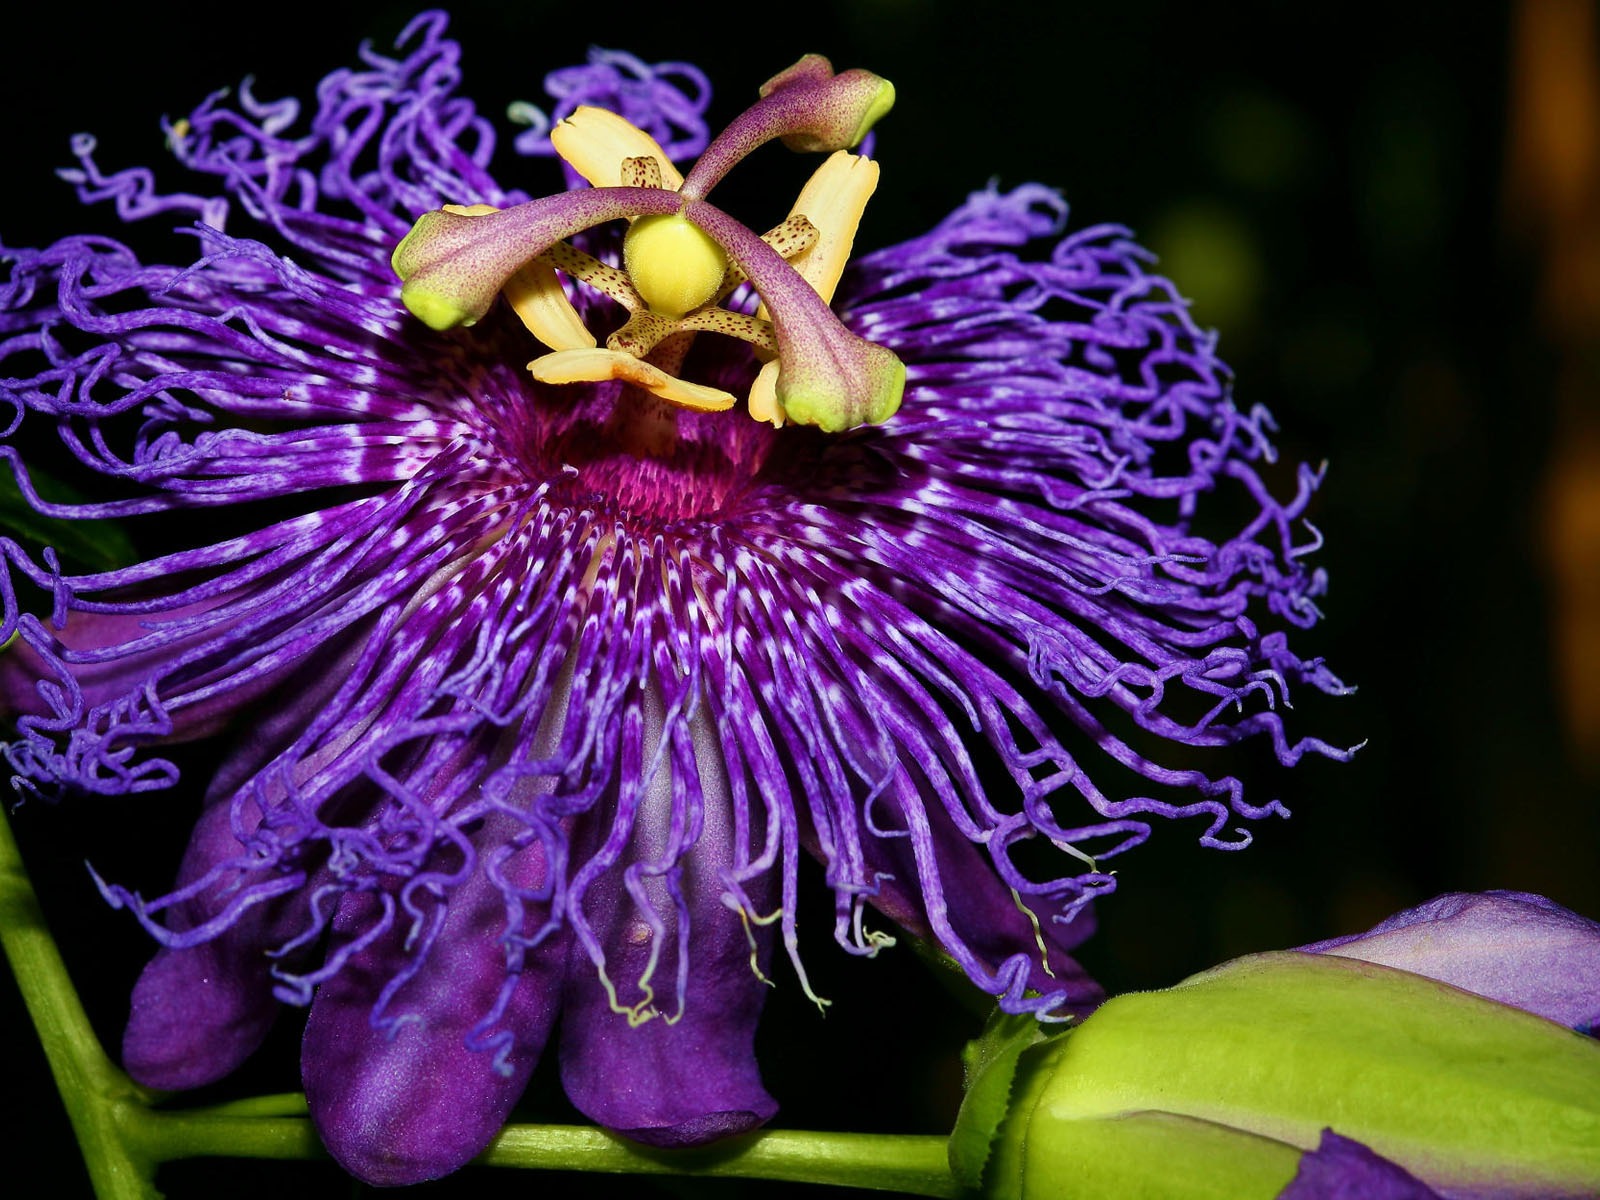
(877, 108)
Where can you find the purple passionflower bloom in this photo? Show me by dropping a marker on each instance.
(545, 684)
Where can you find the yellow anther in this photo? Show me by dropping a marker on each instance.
(763, 402)
(675, 266)
(594, 366)
(596, 143)
(833, 200)
(537, 298)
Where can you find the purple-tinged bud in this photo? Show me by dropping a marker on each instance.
(1216, 1087)
(1513, 947)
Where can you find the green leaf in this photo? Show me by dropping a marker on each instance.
(84, 547)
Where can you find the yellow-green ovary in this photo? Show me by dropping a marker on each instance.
(674, 265)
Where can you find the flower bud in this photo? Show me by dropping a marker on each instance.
(1216, 1087)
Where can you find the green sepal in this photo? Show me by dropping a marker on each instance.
(1138, 1156)
(989, 1063)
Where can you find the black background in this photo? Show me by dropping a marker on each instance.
(1330, 186)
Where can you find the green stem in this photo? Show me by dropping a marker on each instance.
(217, 1133)
(100, 1100)
(917, 1165)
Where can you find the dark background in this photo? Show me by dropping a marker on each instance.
(1391, 213)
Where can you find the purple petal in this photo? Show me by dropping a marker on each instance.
(1513, 947)
(201, 1007)
(61, 674)
(198, 1012)
(680, 1084)
(670, 1060)
(1343, 1169)
(409, 1083)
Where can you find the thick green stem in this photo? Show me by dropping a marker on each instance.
(916, 1165)
(101, 1101)
(216, 1133)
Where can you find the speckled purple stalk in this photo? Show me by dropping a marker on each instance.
(828, 377)
(485, 625)
(467, 260)
(807, 105)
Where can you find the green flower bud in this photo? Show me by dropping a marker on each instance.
(1215, 1088)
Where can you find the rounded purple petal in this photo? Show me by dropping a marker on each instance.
(416, 1050)
(199, 1011)
(1514, 947)
(668, 970)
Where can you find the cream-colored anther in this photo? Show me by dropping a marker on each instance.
(595, 142)
(763, 402)
(833, 200)
(597, 366)
(536, 296)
